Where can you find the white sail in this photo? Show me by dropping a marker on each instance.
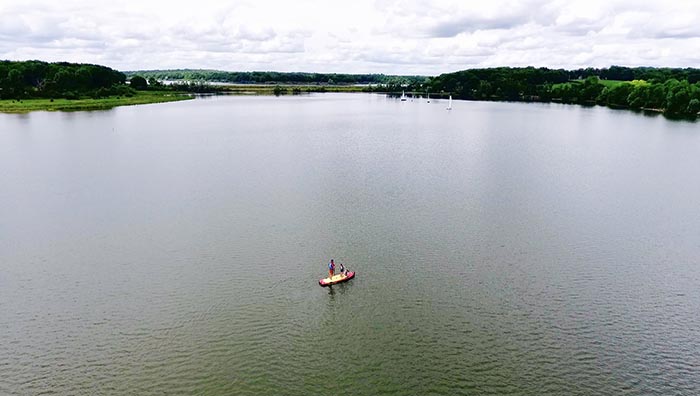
(449, 103)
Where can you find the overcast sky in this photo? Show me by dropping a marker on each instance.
(356, 36)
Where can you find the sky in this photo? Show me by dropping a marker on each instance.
(357, 36)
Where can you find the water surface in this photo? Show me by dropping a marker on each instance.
(501, 248)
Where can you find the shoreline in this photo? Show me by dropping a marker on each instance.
(20, 106)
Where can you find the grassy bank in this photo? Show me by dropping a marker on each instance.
(141, 97)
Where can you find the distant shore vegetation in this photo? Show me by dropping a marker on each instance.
(36, 85)
(672, 91)
(281, 78)
(37, 79)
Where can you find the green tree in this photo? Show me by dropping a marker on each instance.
(616, 95)
(13, 84)
(677, 97)
(154, 83)
(639, 97)
(693, 107)
(484, 90)
(138, 82)
(657, 96)
(590, 90)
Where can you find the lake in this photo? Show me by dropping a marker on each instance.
(500, 248)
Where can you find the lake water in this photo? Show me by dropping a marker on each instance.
(500, 248)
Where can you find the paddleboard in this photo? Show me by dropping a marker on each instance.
(337, 278)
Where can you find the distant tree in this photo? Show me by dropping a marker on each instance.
(657, 96)
(278, 90)
(138, 82)
(639, 96)
(484, 90)
(154, 83)
(616, 95)
(590, 90)
(677, 97)
(693, 107)
(13, 86)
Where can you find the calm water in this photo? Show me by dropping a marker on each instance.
(501, 248)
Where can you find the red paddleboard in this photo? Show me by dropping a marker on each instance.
(338, 278)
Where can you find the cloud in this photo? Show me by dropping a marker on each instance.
(13, 27)
(672, 25)
(470, 23)
(381, 36)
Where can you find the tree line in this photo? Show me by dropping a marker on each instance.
(673, 91)
(37, 79)
(271, 77)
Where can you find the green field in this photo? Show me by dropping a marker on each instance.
(607, 83)
(141, 97)
(611, 83)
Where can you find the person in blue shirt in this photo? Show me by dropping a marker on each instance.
(331, 269)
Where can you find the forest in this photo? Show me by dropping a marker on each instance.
(37, 79)
(673, 91)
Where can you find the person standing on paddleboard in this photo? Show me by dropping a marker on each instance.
(331, 269)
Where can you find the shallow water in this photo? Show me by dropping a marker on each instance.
(500, 248)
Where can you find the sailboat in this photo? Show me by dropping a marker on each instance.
(428, 98)
(403, 96)
(449, 103)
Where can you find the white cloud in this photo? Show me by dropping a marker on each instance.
(382, 36)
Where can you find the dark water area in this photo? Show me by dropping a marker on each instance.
(500, 248)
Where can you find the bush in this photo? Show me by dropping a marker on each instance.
(279, 90)
(693, 107)
(122, 89)
(101, 93)
(138, 82)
